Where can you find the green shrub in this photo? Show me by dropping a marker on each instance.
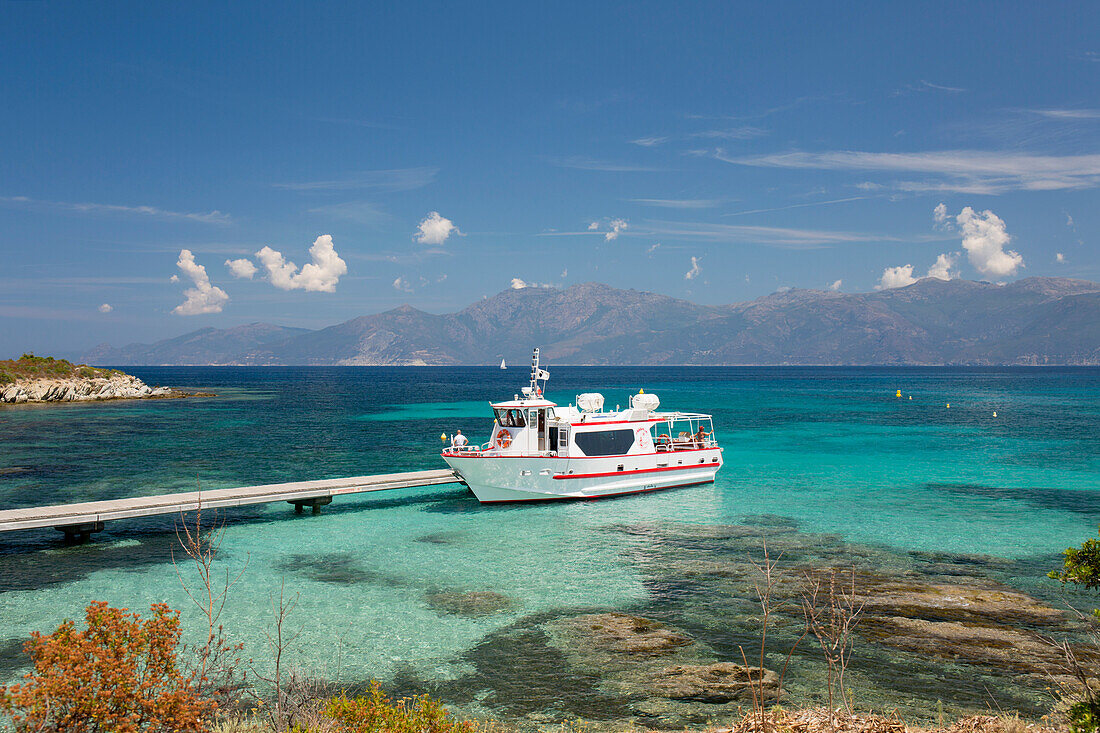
(376, 713)
(89, 372)
(6, 378)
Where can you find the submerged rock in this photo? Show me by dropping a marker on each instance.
(628, 634)
(985, 603)
(713, 683)
(1004, 647)
(468, 603)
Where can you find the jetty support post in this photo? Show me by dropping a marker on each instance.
(76, 534)
(316, 503)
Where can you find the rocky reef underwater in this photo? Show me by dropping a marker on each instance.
(940, 634)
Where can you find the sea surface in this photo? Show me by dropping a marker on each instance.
(991, 470)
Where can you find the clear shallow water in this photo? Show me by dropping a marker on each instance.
(829, 452)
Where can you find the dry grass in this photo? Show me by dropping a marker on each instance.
(818, 720)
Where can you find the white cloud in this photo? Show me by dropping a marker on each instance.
(204, 297)
(964, 171)
(564, 273)
(1059, 257)
(403, 285)
(174, 279)
(105, 308)
(939, 214)
(896, 277)
(319, 276)
(210, 217)
(589, 164)
(836, 285)
(653, 248)
(435, 229)
(984, 239)
(649, 142)
(242, 268)
(694, 271)
(593, 226)
(617, 225)
(519, 284)
(943, 267)
(1069, 221)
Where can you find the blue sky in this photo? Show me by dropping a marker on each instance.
(433, 154)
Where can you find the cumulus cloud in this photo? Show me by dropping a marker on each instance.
(617, 225)
(520, 284)
(1059, 257)
(939, 214)
(204, 297)
(174, 279)
(105, 308)
(242, 268)
(319, 276)
(835, 286)
(403, 285)
(435, 229)
(896, 277)
(593, 226)
(944, 267)
(984, 239)
(694, 271)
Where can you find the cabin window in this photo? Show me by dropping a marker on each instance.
(510, 418)
(553, 434)
(605, 442)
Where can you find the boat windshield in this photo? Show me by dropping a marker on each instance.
(510, 418)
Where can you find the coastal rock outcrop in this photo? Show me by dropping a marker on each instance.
(117, 386)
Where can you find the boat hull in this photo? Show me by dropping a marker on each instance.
(499, 479)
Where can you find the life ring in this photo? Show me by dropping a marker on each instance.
(503, 440)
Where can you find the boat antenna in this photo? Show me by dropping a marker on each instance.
(536, 373)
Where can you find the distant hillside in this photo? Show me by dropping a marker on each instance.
(205, 346)
(1032, 321)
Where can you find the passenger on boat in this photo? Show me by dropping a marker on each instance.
(459, 440)
(700, 437)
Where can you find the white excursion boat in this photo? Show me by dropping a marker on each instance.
(540, 451)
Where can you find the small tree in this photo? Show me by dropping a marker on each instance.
(1081, 567)
(118, 675)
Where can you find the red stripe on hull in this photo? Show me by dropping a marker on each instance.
(601, 496)
(688, 467)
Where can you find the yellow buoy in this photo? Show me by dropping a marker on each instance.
(899, 393)
(910, 396)
(443, 437)
(949, 405)
(994, 413)
(641, 391)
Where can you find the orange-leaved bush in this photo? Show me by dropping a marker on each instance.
(119, 674)
(376, 713)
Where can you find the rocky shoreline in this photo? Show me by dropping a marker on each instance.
(117, 386)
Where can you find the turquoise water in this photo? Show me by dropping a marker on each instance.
(827, 459)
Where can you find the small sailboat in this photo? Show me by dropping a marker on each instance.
(503, 365)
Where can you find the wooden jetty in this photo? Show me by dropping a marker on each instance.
(79, 521)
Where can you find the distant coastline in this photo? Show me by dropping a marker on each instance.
(35, 379)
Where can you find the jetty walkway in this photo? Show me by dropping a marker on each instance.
(79, 521)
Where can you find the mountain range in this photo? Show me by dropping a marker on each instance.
(1034, 321)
